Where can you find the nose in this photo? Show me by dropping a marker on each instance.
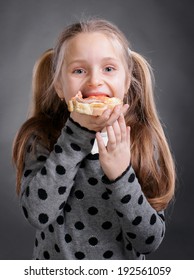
(94, 79)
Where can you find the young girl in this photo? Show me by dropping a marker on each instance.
(102, 200)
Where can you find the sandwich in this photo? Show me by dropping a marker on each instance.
(93, 105)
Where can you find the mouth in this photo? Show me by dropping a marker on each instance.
(95, 93)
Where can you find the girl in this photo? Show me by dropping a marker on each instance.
(86, 200)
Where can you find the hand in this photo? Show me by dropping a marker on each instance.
(115, 157)
(97, 123)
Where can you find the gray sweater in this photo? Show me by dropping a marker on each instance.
(77, 212)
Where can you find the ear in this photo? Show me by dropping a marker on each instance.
(58, 89)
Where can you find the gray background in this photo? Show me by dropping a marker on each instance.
(160, 30)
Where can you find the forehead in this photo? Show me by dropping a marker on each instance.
(94, 44)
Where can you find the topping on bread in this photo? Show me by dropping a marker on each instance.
(93, 105)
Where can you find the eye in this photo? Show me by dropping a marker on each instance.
(109, 68)
(79, 71)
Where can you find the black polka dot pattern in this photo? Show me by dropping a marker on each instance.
(92, 210)
(82, 164)
(27, 191)
(36, 242)
(27, 172)
(153, 219)
(93, 241)
(131, 178)
(92, 181)
(137, 221)
(42, 194)
(79, 225)
(68, 238)
(57, 249)
(25, 212)
(119, 237)
(60, 220)
(140, 200)
(105, 180)
(41, 158)
(43, 171)
(92, 141)
(105, 196)
(129, 246)
(75, 147)
(58, 149)
(43, 218)
(46, 255)
(108, 191)
(69, 130)
(150, 239)
(67, 208)
(42, 235)
(107, 225)
(108, 254)
(62, 190)
(51, 228)
(119, 214)
(62, 205)
(79, 194)
(60, 170)
(126, 199)
(131, 235)
(93, 156)
(111, 211)
(79, 255)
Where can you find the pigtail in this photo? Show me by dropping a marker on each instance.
(47, 116)
(150, 153)
(41, 80)
(42, 90)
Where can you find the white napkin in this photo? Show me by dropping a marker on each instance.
(95, 146)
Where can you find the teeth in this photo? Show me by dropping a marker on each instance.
(95, 94)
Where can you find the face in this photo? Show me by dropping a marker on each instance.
(94, 65)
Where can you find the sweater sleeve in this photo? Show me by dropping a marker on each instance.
(142, 226)
(48, 177)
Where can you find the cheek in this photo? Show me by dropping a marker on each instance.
(67, 95)
(120, 87)
(70, 89)
(121, 95)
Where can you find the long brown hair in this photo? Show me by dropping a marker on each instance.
(150, 154)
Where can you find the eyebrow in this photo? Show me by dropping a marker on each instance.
(104, 59)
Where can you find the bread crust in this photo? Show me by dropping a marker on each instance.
(93, 105)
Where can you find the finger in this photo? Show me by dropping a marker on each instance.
(100, 143)
(117, 131)
(114, 115)
(129, 135)
(123, 128)
(111, 145)
(99, 120)
(106, 114)
(125, 108)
